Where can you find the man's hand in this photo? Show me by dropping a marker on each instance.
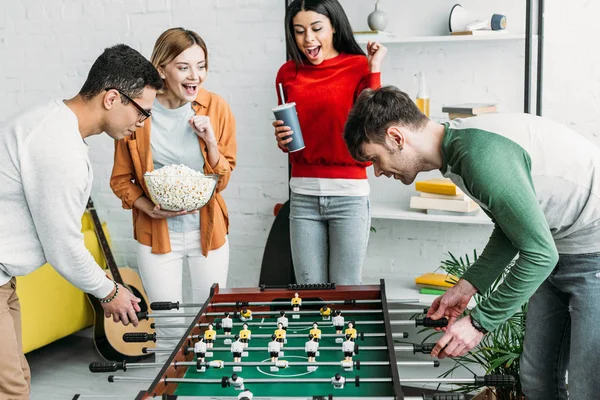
(123, 307)
(452, 304)
(458, 340)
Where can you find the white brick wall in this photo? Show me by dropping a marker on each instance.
(47, 47)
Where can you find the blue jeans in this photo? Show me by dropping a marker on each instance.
(563, 324)
(329, 236)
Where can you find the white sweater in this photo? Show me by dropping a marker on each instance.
(45, 182)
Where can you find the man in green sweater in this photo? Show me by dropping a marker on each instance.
(539, 182)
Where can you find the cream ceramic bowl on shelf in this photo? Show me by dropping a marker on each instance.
(178, 188)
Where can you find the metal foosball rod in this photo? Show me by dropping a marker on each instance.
(486, 380)
(439, 396)
(317, 313)
(424, 348)
(169, 305)
(113, 366)
(141, 337)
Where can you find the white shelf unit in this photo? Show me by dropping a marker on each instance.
(389, 39)
(383, 210)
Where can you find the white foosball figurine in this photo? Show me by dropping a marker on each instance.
(348, 348)
(237, 382)
(338, 381)
(246, 315)
(338, 322)
(274, 347)
(237, 347)
(245, 395)
(283, 320)
(311, 348)
(200, 350)
(227, 324)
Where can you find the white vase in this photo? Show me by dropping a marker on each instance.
(377, 20)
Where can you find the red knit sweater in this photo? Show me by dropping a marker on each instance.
(324, 95)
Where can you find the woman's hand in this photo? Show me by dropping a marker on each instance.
(154, 211)
(375, 54)
(282, 134)
(201, 126)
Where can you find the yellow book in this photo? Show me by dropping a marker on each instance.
(438, 186)
(437, 280)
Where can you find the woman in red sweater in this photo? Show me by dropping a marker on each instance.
(329, 205)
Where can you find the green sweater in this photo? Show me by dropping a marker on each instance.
(539, 181)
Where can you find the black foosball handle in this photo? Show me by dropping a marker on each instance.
(110, 366)
(424, 348)
(139, 337)
(444, 396)
(430, 323)
(164, 305)
(495, 380)
(142, 315)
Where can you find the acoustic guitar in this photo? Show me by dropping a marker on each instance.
(108, 335)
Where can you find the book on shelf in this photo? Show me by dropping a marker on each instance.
(470, 108)
(453, 213)
(438, 186)
(434, 280)
(480, 32)
(436, 292)
(460, 196)
(461, 206)
(373, 33)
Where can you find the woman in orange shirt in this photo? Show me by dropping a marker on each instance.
(189, 126)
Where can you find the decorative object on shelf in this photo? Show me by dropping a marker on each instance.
(500, 350)
(377, 20)
(423, 95)
(462, 21)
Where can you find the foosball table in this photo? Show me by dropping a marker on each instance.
(314, 341)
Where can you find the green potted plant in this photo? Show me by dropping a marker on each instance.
(499, 351)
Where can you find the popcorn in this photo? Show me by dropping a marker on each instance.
(178, 187)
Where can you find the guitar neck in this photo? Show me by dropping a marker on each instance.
(108, 256)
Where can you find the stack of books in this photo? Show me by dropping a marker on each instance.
(442, 197)
(433, 283)
(467, 110)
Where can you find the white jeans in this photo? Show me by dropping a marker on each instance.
(162, 276)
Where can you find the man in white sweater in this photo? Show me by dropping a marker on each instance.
(45, 182)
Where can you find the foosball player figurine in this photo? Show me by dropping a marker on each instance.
(246, 315)
(227, 324)
(350, 330)
(338, 324)
(245, 395)
(209, 336)
(245, 335)
(348, 348)
(316, 332)
(274, 347)
(296, 303)
(237, 348)
(311, 348)
(338, 381)
(237, 382)
(280, 334)
(325, 312)
(200, 350)
(283, 320)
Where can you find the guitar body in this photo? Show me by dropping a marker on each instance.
(108, 335)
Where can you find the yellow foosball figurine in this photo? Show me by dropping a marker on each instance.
(209, 336)
(280, 334)
(245, 335)
(325, 312)
(350, 330)
(316, 332)
(246, 315)
(296, 302)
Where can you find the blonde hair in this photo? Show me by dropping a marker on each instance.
(172, 43)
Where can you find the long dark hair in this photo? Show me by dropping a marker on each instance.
(343, 39)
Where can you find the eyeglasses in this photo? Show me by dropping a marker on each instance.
(144, 114)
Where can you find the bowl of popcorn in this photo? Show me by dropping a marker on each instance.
(178, 187)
